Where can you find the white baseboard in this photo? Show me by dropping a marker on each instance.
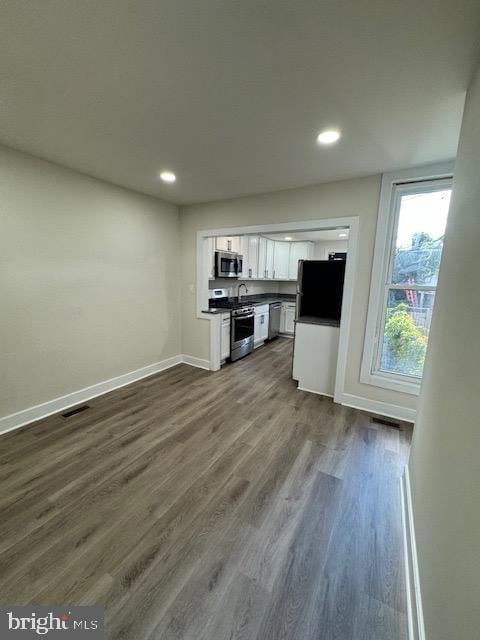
(195, 362)
(416, 628)
(375, 406)
(39, 411)
(318, 393)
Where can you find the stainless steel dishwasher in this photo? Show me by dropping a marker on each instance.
(274, 319)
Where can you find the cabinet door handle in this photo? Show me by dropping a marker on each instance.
(265, 273)
(274, 274)
(249, 273)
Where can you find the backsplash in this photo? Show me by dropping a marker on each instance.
(255, 287)
(287, 287)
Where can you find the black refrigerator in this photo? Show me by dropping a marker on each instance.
(320, 290)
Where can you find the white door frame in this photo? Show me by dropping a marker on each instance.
(352, 222)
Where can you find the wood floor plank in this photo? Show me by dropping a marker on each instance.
(210, 506)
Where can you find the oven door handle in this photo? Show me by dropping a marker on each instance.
(250, 315)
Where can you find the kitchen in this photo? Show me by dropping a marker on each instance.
(253, 283)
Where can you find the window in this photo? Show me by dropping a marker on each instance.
(411, 227)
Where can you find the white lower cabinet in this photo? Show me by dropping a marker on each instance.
(260, 333)
(290, 319)
(225, 337)
(287, 318)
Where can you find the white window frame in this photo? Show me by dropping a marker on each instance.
(393, 186)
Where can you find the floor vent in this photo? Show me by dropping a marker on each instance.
(387, 423)
(72, 412)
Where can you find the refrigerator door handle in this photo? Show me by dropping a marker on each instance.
(298, 306)
(299, 289)
(300, 276)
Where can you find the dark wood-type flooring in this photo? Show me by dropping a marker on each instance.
(210, 506)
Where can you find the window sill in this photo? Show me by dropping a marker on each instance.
(391, 382)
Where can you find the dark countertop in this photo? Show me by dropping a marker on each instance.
(256, 300)
(267, 298)
(326, 322)
(272, 300)
(216, 312)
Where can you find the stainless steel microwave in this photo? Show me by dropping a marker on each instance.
(228, 264)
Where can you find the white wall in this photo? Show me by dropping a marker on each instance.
(322, 249)
(88, 281)
(357, 197)
(287, 287)
(445, 457)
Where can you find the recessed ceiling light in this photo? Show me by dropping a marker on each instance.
(288, 238)
(342, 235)
(168, 176)
(329, 136)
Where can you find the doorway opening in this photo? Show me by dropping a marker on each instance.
(267, 259)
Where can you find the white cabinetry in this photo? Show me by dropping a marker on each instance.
(253, 256)
(261, 324)
(265, 258)
(287, 318)
(290, 319)
(298, 251)
(249, 250)
(269, 260)
(281, 257)
(225, 337)
(227, 243)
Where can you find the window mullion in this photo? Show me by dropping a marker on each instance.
(393, 237)
(380, 329)
(413, 287)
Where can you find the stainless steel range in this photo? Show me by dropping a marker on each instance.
(241, 331)
(241, 324)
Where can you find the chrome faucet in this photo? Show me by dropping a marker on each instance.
(242, 284)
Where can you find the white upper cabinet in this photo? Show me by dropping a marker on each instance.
(281, 258)
(227, 243)
(269, 260)
(244, 253)
(298, 251)
(249, 250)
(265, 258)
(262, 257)
(253, 256)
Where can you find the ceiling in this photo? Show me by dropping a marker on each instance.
(314, 236)
(229, 94)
